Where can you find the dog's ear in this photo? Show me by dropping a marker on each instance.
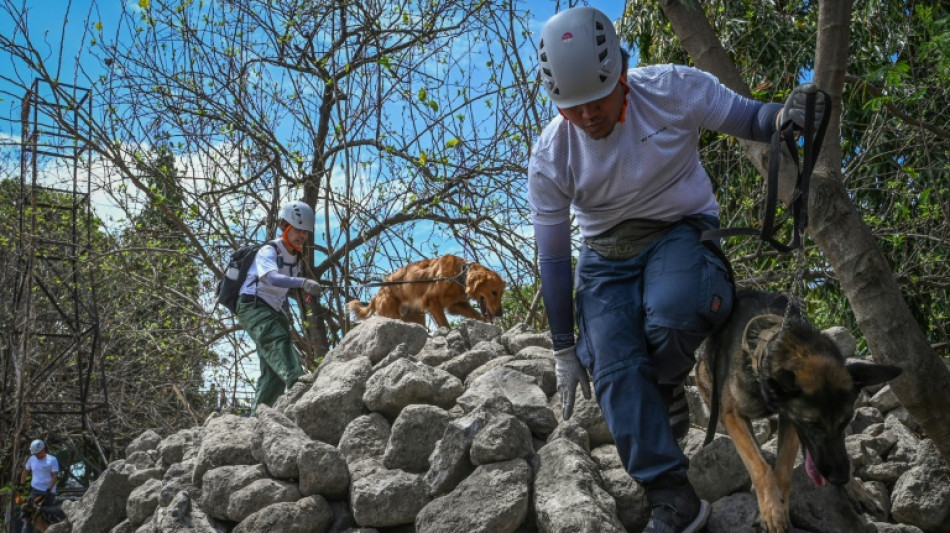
(473, 281)
(865, 373)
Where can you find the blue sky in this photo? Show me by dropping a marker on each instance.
(55, 24)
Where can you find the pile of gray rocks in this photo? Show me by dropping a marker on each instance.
(460, 432)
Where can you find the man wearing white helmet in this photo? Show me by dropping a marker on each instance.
(623, 155)
(263, 307)
(45, 473)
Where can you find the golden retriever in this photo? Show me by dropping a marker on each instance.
(437, 285)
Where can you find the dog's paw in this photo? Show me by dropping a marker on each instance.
(773, 513)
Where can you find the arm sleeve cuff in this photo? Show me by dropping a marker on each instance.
(751, 120)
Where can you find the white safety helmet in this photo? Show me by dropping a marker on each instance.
(299, 215)
(580, 56)
(37, 446)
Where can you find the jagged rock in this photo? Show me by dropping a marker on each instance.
(178, 446)
(906, 443)
(295, 392)
(463, 365)
(143, 459)
(633, 509)
(399, 352)
(737, 513)
(335, 399)
(825, 509)
(219, 484)
(322, 471)
(843, 339)
(259, 495)
(414, 435)
(529, 401)
(178, 478)
(495, 362)
(903, 415)
(388, 498)
(885, 400)
(226, 440)
(147, 441)
(435, 351)
(587, 414)
(504, 437)
(572, 432)
(450, 462)
(921, 496)
(181, 516)
(521, 336)
(494, 499)
(142, 502)
(475, 332)
(308, 515)
(102, 507)
(376, 337)
(365, 440)
(883, 527)
(144, 474)
(717, 471)
(281, 443)
(455, 342)
(540, 367)
(864, 417)
(406, 382)
(325, 457)
(568, 492)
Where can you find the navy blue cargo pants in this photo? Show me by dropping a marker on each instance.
(640, 320)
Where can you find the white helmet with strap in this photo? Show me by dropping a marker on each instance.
(299, 215)
(580, 56)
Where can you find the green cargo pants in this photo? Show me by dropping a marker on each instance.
(270, 331)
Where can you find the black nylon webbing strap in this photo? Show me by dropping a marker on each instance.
(812, 141)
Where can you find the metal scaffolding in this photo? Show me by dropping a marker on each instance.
(53, 380)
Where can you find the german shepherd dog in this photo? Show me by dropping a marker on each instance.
(40, 515)
(767, 359)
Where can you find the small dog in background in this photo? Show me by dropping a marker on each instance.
(435, 286)
(767, 359)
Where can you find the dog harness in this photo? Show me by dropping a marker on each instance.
(768, 327)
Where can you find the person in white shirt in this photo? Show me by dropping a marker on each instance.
(45, 473)
(263, 307)
(623, 156)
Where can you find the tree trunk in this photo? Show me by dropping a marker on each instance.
(836, 226)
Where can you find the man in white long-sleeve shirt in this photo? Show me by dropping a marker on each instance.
(623, 156)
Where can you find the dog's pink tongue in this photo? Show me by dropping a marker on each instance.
(812, 470)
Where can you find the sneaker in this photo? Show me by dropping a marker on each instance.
(676, 509)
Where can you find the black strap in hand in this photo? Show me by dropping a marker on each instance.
(812, 141)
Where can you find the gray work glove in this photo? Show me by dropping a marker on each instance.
(311, 287)
(794, 109)
(570, 372)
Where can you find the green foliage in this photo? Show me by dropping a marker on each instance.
(894, 138)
